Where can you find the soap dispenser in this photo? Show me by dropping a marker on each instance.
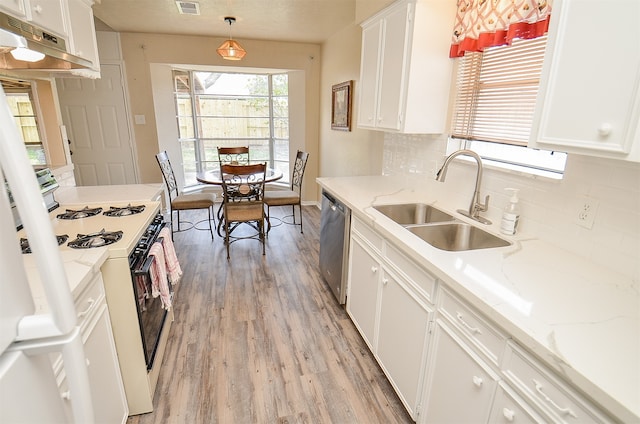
(511, 214)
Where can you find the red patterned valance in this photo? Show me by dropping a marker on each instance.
(488, 23)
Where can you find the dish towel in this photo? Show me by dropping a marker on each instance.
(159, 278)
(170, 258)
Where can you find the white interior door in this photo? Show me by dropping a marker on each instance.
(95, 114)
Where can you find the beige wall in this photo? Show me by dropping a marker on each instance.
(342, 153)
(140, 51)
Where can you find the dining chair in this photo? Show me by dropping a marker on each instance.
(233, 155)
(236, 155)
(243, 191)
(293, 196)
(183, 201)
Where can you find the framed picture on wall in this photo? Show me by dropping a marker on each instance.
(341, 106)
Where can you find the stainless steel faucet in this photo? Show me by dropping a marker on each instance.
(476, 207)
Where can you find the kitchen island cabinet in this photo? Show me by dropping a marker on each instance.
(569, 316)
(600, 68)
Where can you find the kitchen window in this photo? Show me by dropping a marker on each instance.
(493, 112)
(231, 109)
(20, 100)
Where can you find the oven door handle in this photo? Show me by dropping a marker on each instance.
(144, 269)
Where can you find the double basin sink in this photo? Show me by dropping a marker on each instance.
(440, 229)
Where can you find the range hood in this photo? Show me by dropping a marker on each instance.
(15, 34)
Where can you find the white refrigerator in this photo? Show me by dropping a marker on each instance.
(28, 389)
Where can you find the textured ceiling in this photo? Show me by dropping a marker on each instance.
(311, 21)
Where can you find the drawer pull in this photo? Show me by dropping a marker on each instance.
(385, 281)
(509, 415)
(474, 330)
(374, 269)
(91, 301)
(564, 411)
(477, 381)
(66, 395)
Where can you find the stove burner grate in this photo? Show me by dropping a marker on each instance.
(24, 243)
(101, 238)
(127, 210)
(80, 213)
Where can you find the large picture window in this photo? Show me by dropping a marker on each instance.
(216, 109)
(494, 107)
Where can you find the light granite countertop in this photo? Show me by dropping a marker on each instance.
(581, 319)
(108, 193)
(81, 267)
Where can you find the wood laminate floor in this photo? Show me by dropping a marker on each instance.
(261, 339)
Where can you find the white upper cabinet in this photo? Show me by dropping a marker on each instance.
(589, 99)
(47, 14)
(405, 70)
(69, 19)
(82, 31)
(13, 7)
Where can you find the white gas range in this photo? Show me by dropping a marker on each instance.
(140, 330)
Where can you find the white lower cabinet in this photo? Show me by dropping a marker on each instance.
(391, 309)
(402, 339)
(449, 364)
(557, 402)
(508, 407)
(107, 390)
(460, 385)
(362, 297)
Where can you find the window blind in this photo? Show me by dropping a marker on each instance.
(496, 92)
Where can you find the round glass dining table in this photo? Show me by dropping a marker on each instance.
(213, 177)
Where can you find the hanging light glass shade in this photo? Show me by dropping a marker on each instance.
(231, 49)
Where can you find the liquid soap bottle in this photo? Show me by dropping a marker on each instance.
(511, 214)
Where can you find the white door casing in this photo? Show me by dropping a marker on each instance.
(95, 115)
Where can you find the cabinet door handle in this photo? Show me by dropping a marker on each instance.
(564, 411)
(374, 269)
(66, 395)
(509, 415)
(477, 381)
(91, 301)
(604, 130)
(385, 281)
(474, 330)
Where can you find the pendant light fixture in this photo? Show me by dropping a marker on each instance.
(230, 49)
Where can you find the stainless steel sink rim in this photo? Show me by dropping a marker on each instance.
(463, 237)
(413, 213)
(440, 229)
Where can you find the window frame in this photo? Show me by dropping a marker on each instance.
(14, 88)
(505, 90)
(201, 160)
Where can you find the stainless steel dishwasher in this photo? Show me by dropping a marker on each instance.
(335, 222)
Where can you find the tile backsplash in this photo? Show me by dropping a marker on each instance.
(549, 208)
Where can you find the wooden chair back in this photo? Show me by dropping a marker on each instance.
(233, 155)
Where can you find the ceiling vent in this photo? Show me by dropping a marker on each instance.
(188, 7)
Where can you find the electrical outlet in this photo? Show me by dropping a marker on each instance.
(588, 207)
